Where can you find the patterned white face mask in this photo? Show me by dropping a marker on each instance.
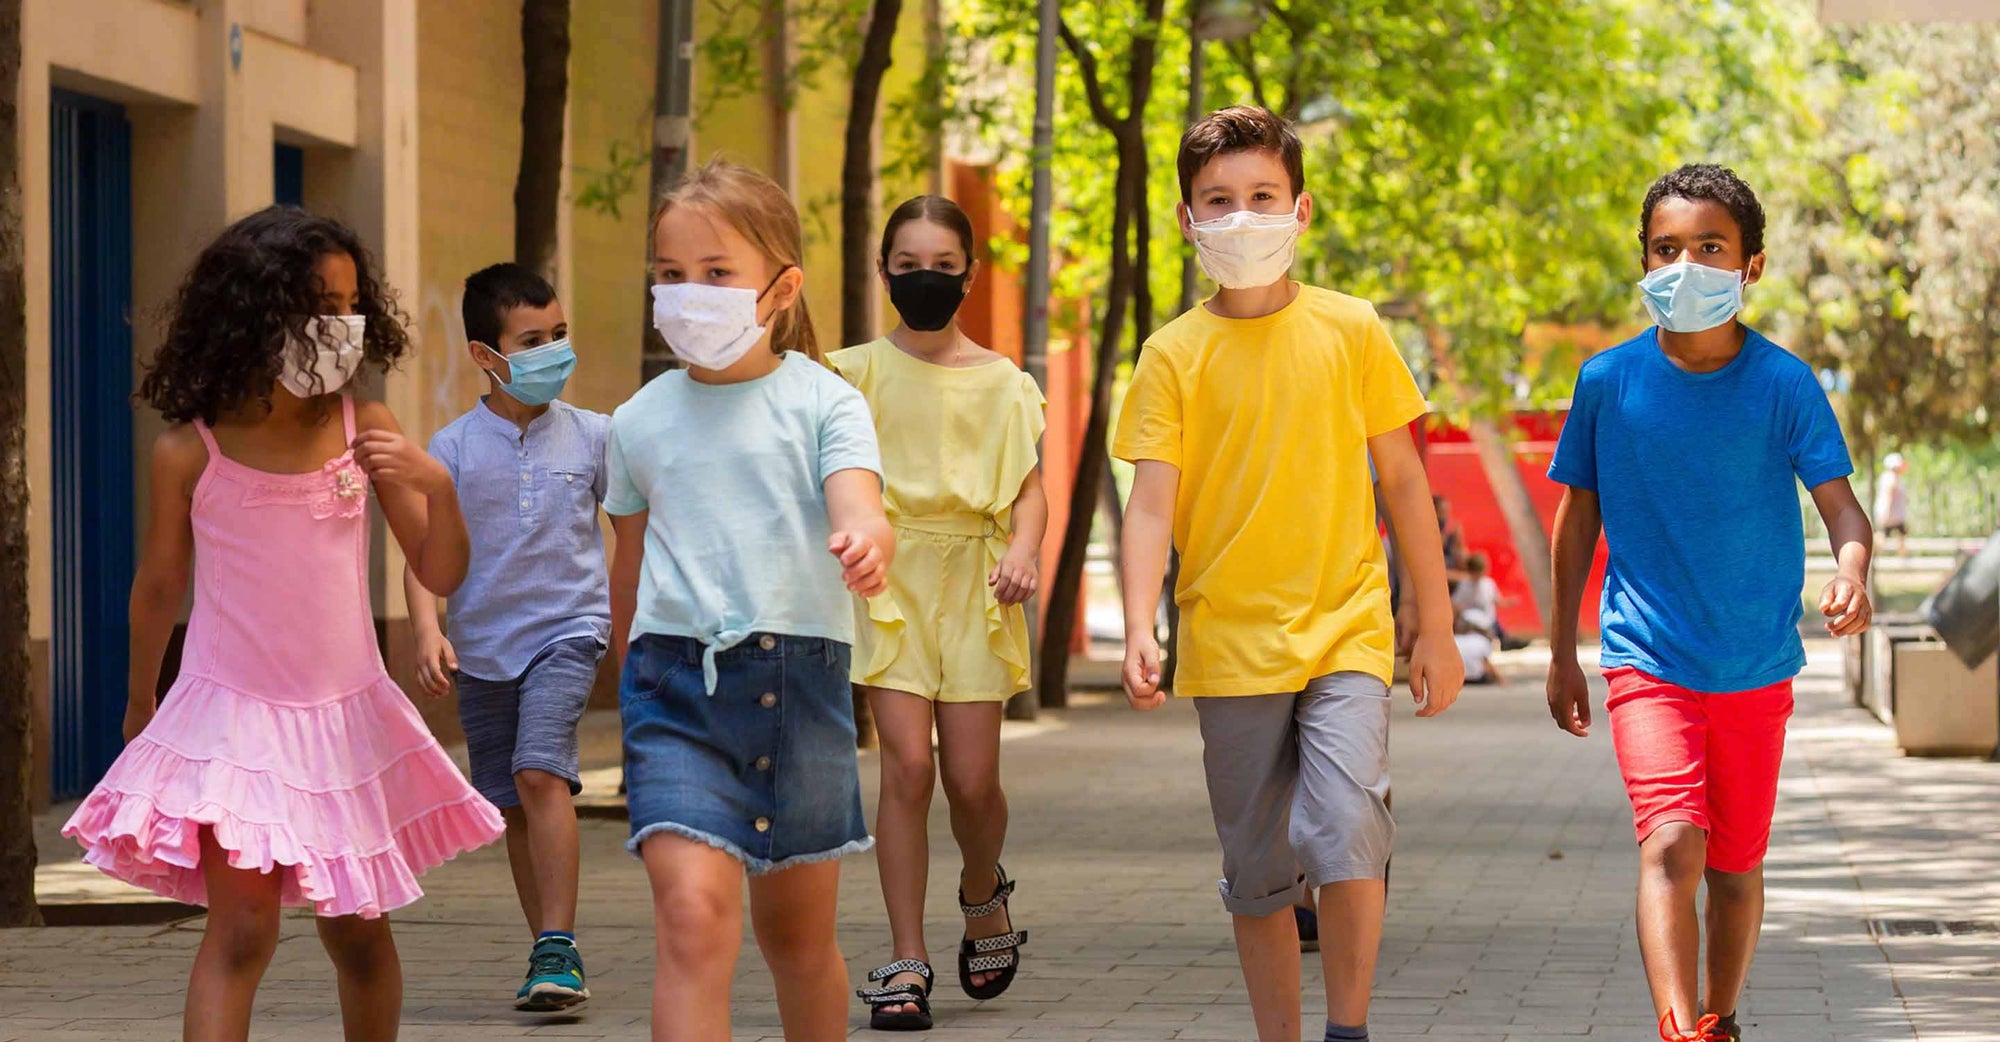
(1246, 249)
(336, 344)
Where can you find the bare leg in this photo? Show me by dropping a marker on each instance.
(552, 849)
(1670, 869)
(697, 932)
(969, 758)
(792, 913)
(236, 948)
(521, 861)
(1735, 918)
(370, 976)
(1268, 948)
(902, 822)
(1350, 937)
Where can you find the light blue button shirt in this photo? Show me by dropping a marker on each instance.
(732, 477)
(530, 500)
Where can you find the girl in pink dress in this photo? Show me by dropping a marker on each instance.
(284, 767)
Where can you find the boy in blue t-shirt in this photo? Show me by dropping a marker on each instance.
(1683, 444)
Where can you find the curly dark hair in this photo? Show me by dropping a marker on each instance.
(246, 302)
(1717, 184)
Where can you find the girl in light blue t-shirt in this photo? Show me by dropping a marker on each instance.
(746, 494)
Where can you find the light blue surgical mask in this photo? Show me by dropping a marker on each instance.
(1686, 297)
(539, 372)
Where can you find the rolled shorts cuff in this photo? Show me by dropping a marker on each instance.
(1345, 871)
(547, 765)
(1259, 907)
(1650, 824)
(752, 864)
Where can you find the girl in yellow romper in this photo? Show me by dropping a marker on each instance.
(947, 645)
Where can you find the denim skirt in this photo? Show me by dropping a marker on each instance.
(764, 769)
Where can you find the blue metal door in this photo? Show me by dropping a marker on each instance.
(90, 386)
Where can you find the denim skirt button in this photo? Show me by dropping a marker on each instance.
(768, 642)
(763, 824)
(763, 763)
(770, 699)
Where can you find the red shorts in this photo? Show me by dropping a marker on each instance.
(1710, 760)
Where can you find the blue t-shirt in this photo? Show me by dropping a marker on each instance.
(1694, 474)
(732, 478)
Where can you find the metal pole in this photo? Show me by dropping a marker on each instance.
(673, 101)
(1035, 320)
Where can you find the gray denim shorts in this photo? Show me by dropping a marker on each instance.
(528, 722)
(1299, 787)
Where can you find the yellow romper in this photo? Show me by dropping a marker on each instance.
(956, 446)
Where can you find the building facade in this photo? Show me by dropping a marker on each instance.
(148, 125)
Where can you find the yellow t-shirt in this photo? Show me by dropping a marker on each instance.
(1282, 577)
(954, 440)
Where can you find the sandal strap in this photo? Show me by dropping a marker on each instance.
(893, 996)
(916, 966)
(992, 904)
(1000, 942)
(1006, 960)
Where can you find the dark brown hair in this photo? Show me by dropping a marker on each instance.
(761, 212)
(1240, 128)
(244, 307)
(937, 210)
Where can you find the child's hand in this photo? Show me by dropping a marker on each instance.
(1015, 578)
(1437, 673)
(138, 713)
(1142, 672)
(1569, 695)
(436, 662)
(388, 456)
(1844, 602)
(861, 564)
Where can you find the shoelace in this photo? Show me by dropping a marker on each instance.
(1704, 1029)
(548, 962)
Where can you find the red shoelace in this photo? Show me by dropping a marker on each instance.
(1704, 1029)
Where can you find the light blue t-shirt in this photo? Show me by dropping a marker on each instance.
(733, 477)
(536, 575)
(1694, 473)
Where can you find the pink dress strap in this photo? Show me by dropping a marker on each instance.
(207, 437)
(347, 416)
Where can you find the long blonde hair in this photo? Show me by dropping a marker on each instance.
(761, 212)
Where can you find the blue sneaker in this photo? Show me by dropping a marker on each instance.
(555, 978)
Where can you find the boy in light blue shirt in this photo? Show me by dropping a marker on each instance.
(532, 619)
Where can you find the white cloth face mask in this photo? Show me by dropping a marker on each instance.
(1246, 249)
(710, 327)
(336, 343)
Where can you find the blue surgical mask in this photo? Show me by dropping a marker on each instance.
(1686, 297)
(539, 372)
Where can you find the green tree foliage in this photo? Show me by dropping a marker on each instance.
(1886, 231)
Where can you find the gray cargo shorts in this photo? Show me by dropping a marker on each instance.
(1299, 786)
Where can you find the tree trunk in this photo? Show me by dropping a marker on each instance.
(17, 832)
(1092, 462)
(857, 175)
(544, 99)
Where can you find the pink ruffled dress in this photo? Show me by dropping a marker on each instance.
(284, 734)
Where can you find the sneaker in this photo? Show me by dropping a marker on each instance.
(555, 977)
(1308, 921)
(1726, 1030)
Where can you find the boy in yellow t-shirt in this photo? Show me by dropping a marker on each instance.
(1252, 420)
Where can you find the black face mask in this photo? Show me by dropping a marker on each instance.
(927, 299)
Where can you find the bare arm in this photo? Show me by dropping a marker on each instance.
(1016, 576)
(166, 558)
(862, 538)
(1147, 540)
(628, 550)
(437, 660)
(1578, 522)
(418, 499)
(1436, 671)
(1844, 601)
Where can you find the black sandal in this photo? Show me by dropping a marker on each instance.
(1000, 954)
(899, 995)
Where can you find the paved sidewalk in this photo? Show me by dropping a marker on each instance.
(1509, 903)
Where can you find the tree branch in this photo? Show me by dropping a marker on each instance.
(1093, 88)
